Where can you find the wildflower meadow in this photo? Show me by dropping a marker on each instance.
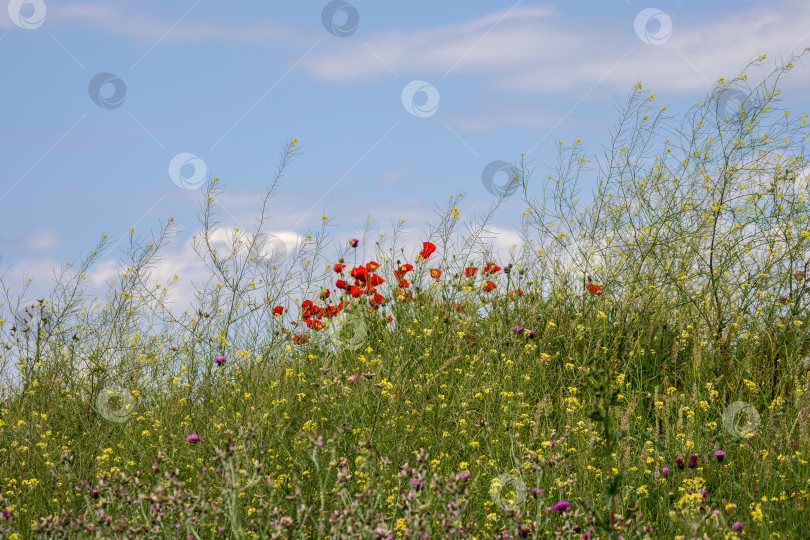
(637, 367)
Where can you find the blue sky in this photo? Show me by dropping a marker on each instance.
(228, 82)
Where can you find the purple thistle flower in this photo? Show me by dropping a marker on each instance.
(693, 461)
(463, 475)
(354, 242)
(737, 526)
(665, 471)
(719, 454)
(679, 463)
(530, 334)
(193, 438)
(562, 506)
(219, 360)
(518, 330)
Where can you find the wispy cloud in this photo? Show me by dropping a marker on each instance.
(392, 175)
(122, 20)
(39, 240)
(534, 49)
(537, 50)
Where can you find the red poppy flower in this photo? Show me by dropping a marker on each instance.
(489, 286)
(317, 324)
(491, 268)
(340, 284)
(378, 299)
(435, 273)
(339, 267)
(389, 318)
(307, 304)
(404, 283)
(470, 271)
(358, 272)
(595, 288)
(355, 291)
(324, 294)
(376, 280)
(371, 266)
(400, 272)
(427, 250)
(299, 339)
(278, 310)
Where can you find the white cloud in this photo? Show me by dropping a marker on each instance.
(526, 50)
(40, 270)
(534, 50)
(39, 240)
(392, 175)
(147, 29)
